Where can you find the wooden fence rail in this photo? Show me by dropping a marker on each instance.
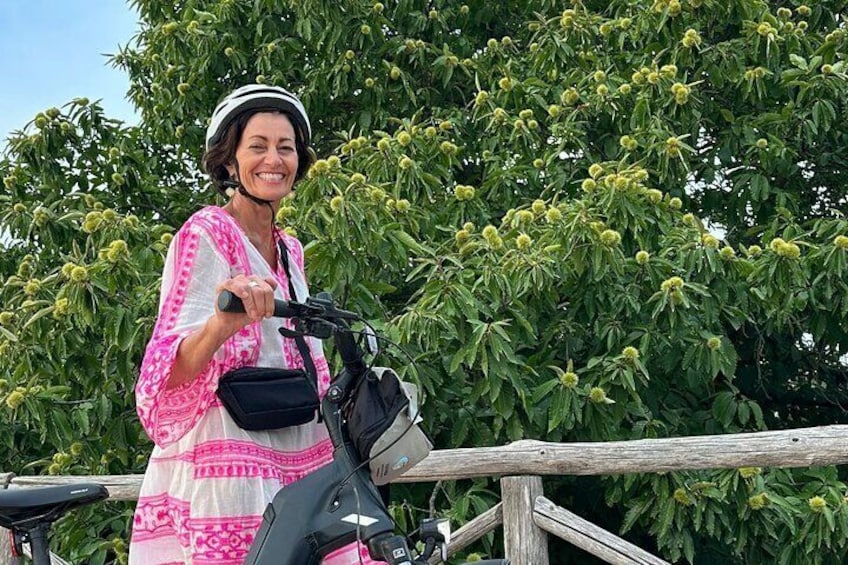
(589, 537)
(805, 447)
(527, 460)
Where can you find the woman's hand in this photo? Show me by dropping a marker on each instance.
(257, 295)
(197, 349)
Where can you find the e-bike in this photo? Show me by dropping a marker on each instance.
(335, 505)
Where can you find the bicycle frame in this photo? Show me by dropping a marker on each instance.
(338, 503)
(333, 507)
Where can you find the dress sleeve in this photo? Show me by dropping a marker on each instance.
(193, 269)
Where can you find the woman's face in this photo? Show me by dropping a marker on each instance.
(267, 156)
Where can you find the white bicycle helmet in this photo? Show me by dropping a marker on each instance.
(256, 96)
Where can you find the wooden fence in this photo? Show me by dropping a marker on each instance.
(528, 517)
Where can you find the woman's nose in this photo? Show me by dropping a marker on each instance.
(273, 157)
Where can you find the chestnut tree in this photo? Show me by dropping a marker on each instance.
(585, 221)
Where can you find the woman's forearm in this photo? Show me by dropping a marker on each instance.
(196, 351)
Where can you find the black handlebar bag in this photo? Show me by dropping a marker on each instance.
(267, 398)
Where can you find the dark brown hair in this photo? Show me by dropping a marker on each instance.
(223, 153)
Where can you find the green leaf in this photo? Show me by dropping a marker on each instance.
(743, 413)
(557, 410)
(724, 408)
(8, 335)
(798, 61)
(666, 516)
(457, 359)
(543, 390)
(828, 516)
(758, 415)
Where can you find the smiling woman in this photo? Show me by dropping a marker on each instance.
(209, 480)
(61, 53)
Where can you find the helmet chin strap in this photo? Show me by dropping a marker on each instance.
(235, 183)
(243, 191)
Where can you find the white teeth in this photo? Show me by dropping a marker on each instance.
(271, 176)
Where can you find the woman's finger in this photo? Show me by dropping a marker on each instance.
(256, 293)
(262, 296)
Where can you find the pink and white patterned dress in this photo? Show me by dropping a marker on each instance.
(208, 481)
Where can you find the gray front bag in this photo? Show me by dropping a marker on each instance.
(403, 444)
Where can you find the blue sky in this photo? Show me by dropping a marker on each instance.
(51, 51)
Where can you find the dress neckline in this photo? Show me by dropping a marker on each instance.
(276, 233)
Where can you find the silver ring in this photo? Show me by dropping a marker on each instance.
(252, 284)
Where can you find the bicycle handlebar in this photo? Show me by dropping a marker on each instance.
(229, 302)
(320, 318)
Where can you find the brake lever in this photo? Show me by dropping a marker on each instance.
(324, 302)
(318, 328)
(308, 310)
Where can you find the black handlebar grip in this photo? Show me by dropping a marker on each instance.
(229, 302)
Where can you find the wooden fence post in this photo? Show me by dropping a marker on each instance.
(525, 543)
(6, 548)
(5, 541)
